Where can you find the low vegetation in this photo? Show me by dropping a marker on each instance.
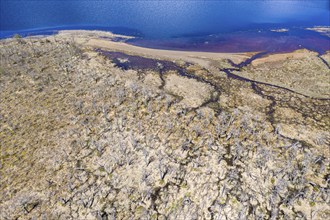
(83, 139)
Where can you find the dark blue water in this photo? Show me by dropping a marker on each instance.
(161, 20)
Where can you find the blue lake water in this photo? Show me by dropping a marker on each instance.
(161, 23)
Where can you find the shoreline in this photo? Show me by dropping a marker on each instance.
(102, 39)
(201, 58)
(248, 41)
(219, 62)
(96, 39)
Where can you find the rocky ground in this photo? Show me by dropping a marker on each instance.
(84, 136)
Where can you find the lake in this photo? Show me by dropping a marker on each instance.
(190, 25)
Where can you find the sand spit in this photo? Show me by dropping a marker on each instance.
(201, 58)
(96, 39)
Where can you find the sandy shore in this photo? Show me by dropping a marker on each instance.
(97, 39)
(298, 54)
(201, 58)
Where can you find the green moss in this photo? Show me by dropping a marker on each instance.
(234, 200)
(272, 180)
(174, 205)
(316, 189)
(17, 36)
(139, 210)
(183, 185)
(188, 194)
(132, 197)
(312, 204)
(2, 71)
(101, 169)
(102, 200)
(195, 169)
(222, 201)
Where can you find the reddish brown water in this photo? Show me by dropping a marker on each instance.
(248, 41)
